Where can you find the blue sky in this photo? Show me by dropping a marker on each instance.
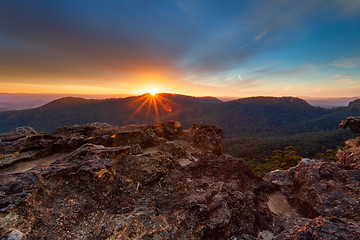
(219, 48)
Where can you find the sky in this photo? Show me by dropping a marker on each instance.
(308, 48)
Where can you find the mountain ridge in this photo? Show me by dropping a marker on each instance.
(267, 122)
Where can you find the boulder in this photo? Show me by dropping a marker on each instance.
(208, 138)
(12, 141)
(320, 188)
(18, 133)
(353, 123)
(350, 154)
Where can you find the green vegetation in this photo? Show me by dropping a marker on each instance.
(307, 144)
(329, 154)
(285, 159)
(280, 159)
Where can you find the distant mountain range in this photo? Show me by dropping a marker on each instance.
(116, 111)
(19, 101)
(246, 119)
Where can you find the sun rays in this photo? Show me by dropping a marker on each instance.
(156, 103)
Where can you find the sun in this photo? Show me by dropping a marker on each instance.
(153, 91)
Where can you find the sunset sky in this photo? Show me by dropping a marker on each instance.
(220, 48)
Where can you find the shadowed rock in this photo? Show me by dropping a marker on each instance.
(329, 228)
(353, 123)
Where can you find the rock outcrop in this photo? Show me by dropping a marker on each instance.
(158, 181)
(318, 191)
(353, 123)
(325, 194)
(350, 154)
(319, 188)
(97, 181)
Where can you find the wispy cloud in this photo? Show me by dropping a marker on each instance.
(339, 75)
(240, 82)
(346, 62)
(346, 7)
(345, 80)
(261, 35)
(273, 72)
(348, 81)
(248, 83)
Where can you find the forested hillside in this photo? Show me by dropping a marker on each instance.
(253, 127)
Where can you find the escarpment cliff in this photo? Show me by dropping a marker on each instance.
(158, 181)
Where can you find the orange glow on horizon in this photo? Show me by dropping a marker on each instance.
(154, 82)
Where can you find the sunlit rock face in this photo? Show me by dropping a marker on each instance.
(158, 181)
(350, 154)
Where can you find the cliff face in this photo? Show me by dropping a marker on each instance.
(158, 181)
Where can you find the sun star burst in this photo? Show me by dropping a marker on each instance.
(153, 91)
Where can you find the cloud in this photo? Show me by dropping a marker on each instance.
(347, 81)
(187, 39)
(233, 83)
(240, 82)
(346, 62)
(69, 45)
(346, 7)
(339, 75)
(261, 35)
(274, 71)
(248, 83)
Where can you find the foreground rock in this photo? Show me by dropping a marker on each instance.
(140, 181)
(325, 194)
(158, 181)
(318, 191)
(318, 188)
